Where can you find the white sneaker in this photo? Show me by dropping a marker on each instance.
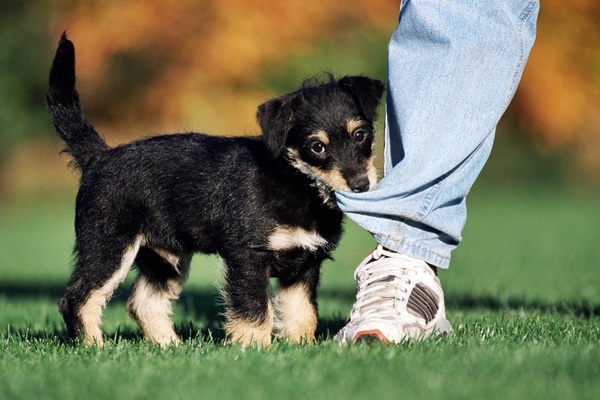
(397, 297)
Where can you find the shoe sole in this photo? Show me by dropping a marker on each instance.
(442, 328)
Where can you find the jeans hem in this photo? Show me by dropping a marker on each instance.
(414, 250)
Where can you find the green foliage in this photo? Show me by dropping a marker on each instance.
(339, 56)
(24, 61)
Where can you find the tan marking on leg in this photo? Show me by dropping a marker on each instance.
(247, 332)
(288, 238)
(151, 307)
(297, 318)
(91, 311)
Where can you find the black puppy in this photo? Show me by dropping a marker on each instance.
(265, 205)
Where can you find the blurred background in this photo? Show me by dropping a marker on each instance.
(151, 66)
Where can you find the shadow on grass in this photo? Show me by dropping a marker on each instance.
(201, 305)
(579, 308)
(203, 309)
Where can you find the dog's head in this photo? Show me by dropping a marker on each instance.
(326, 131)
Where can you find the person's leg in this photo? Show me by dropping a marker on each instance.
(453, 68)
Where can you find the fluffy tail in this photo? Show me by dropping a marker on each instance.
(81, 139)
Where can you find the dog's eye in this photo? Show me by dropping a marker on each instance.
(360, 135)
(318, 148)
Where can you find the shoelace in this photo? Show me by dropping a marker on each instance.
(382, 282)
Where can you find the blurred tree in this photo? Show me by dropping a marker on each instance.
(203, 64)
(206, 64)
(558, 100)
(24, 63)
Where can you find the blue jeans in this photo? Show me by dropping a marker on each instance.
(453, 68)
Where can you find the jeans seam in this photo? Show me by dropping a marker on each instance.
(428, 201)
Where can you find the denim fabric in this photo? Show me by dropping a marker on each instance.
(453, 67)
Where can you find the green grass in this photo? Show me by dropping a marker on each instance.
(523, 294)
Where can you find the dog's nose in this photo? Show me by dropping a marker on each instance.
(360, 184)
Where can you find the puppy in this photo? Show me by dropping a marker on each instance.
(266, 205)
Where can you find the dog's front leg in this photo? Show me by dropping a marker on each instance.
(249, 314)
(297, 307)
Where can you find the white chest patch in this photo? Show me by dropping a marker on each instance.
(288, 238)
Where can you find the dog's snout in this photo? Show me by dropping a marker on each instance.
(360, 184)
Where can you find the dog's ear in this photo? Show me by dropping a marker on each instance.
(366, 92)
(274, 118)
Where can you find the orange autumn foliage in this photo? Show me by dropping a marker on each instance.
(201, 61)
(206, 50)
(558, 100)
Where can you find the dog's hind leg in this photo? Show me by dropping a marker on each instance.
(159, 283)
(97, 274)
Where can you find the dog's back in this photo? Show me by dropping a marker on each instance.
(194, 192)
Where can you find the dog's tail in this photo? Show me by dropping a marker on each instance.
(81, 139)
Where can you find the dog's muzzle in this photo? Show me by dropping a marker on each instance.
(359, 184)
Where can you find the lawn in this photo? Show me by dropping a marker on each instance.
(523, 294)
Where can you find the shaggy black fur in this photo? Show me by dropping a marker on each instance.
(161, 199)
